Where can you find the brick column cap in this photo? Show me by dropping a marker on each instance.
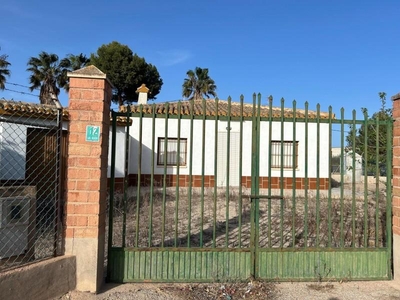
(89, 72)
(396, 97)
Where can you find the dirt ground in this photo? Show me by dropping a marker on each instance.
(253, 290)
(383, 290)
(166, 218)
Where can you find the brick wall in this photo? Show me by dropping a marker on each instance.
(396, 188)
(87, 162)
(184, 181)
(396, 164)
(85, 159)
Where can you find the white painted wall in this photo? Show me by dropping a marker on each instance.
(311, 160)
(13, 140)
(147, 146)
(234, 157)
(12, 151)
(119, 153)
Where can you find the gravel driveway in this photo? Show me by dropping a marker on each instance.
(383, 290)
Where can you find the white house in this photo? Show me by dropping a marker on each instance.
(296, 140)
(20, 124)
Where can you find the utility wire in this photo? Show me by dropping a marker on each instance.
(20, 85)
(23, 93)
(16, 84)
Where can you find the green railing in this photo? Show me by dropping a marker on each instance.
(218, 190)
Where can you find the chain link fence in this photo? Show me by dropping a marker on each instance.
(31, 164)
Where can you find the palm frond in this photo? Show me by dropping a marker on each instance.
(198, 84)
(48, 74)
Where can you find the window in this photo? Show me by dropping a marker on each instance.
(16, 213)
(172, 149)
(282, 152)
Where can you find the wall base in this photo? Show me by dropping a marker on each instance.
(184, 181)
(396, 259)
(43, 280)
(89, 253)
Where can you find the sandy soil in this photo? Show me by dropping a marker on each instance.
(383, 290)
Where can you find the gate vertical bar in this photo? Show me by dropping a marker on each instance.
(164, 194)
(306, 180)
(294, 166)
(178, 159)
(215, 174)
(353, 182)
(228, 158)
(139, 172)
(270, 100)
(190, 173)
(342, 169)
(366, 162)
(254, 187)
(126, 166)
(203, 156)
(281, 185)
(153, 138)
(177, 196)
(389, 150)
(330, 179)
(112, 189)
(377, 184)
(257, 204)
(240, 172)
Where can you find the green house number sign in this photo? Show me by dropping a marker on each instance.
(92, 133)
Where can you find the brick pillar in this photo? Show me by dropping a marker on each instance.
(89, 105)
(396, 187)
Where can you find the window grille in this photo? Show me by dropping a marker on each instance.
(285, 149)
(172, 150)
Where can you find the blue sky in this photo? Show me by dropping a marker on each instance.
(339, 53)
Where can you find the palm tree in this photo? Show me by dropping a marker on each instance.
(76, 62)
(73, 63)
(4, 71)
(198, 84)
(48, 74)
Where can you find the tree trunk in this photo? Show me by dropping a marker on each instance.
(45, 96)
(120, 101)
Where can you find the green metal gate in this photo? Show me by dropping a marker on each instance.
(217, 190)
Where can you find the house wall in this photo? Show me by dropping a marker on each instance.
(147, 150)
(310, 160)
(12, 151)
(119, 153)
(13, 143)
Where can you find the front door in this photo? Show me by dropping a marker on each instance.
(230, 158)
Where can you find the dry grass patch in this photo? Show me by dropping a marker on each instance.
(167, 218)
(252, 290)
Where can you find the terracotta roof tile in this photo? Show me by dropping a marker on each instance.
(40, 111)
(35, 110)
(24, 109)
(211, 110)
